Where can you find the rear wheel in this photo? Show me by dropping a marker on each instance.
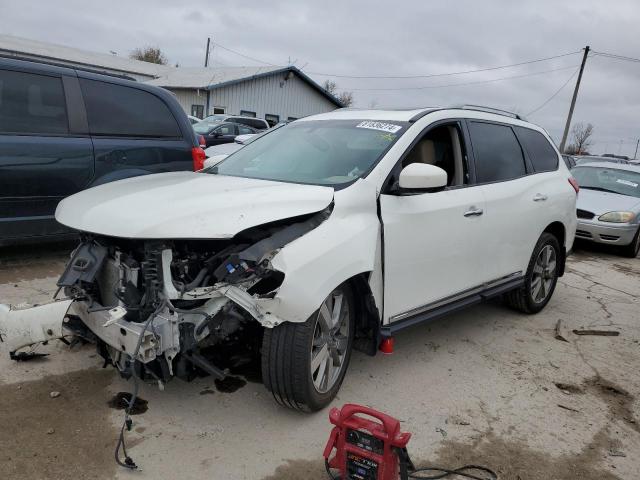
(633, 248)
(303, 364)
(540, 279)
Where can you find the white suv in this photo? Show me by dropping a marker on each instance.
(326, 235)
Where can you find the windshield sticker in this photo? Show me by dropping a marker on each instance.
(385, 127)
(627, 183)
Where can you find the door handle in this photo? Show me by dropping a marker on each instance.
(539, 197)
(473, 212)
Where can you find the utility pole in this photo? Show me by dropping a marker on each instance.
(206, 58)
(573, 100)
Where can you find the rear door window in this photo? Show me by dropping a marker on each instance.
(498, 155)
(244, 130)
(543, 156)
(32, 103)
(117, 110)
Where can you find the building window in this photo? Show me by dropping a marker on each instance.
(197, 110)
(272, 119)
(218, 110)
(247, 113)
(291, 119)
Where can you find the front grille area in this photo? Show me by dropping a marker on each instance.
(583, 234)
(585, 214)
(611, 238)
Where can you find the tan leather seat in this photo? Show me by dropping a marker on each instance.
(423, 152)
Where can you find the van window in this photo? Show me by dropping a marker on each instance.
(543, 156)
(247, 113)
(31, 103)
(498, 155)
(119, 110)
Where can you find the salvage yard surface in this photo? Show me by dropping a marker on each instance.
(486, 386)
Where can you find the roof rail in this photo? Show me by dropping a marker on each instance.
(70, 66)
(497, 111)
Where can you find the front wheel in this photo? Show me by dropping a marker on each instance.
(540, 279)
(303, 364)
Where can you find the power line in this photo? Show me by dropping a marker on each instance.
(245, 56)
(486, 69)
(478, 82)
(554, 95)
(395, 77)
(617, 57)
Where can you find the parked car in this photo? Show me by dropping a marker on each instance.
(593, 158)
(328, 235)
(193, 119)
(63, 130)
(227, 149)
(569, 161)
(215, 133)
(256, 123)
(609, 205)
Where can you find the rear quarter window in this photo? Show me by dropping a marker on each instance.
(32, 103)
(124, 111)
(542, 155)
(498, 155)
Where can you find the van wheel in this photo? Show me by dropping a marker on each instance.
(541, 277)
(303, 364)
(633, 248)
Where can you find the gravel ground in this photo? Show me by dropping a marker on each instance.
(485, 386)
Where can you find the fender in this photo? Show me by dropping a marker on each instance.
(343, 246)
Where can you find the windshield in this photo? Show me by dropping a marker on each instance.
(624, 182)
(204, 127)
(215, 118)
(320, 152)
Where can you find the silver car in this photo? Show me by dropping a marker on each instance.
(608, 204)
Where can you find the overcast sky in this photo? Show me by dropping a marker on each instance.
(416, 37)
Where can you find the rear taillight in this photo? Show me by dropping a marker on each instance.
(198, 156)
(202, 142)
(574, 184)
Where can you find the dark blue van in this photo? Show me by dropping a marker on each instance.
(63, 130)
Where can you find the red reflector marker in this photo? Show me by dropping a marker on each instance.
(574, 184)
(198, 156)
(386, 346)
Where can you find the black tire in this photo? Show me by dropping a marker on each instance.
(633, 248)
(286, 360)
(522, 298)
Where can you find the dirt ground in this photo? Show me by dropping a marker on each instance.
(486, 386)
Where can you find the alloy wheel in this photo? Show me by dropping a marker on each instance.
(330, 341)
(543, 275)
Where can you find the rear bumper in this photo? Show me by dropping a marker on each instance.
(608, 234)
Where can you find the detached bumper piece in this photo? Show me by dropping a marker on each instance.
(20, 328)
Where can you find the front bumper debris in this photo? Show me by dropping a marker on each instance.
(23, 327)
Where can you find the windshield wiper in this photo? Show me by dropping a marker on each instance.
(600, 189)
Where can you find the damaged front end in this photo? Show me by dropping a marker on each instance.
(164, 308)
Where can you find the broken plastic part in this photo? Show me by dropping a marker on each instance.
(21, 328)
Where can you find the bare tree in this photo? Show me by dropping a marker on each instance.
(346, 98)
(581, 139)
(149, 54)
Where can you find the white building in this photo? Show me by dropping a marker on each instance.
(273, 93)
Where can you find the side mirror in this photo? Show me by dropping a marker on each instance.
(215, 134)
(422, 176)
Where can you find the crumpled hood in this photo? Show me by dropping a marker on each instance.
(187, 205)
(602, 202)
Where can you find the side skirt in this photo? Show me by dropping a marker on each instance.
(451, 304)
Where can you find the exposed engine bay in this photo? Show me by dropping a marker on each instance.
(164, 308)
